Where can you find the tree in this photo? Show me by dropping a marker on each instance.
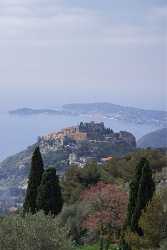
(153, 224)
(142, 189)
(73, 217)
(90, 174)
(34, 181)
(145, 193)
(108, 210)
(71, 186)
(134, 185)
(77, 179)
(49, 197)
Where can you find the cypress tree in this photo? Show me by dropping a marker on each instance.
(134, 185)
(145, 193)
(36, 171)
(49, 197)
(142, 189)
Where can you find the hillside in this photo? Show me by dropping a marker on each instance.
(122, 113)
(75, 145)
(156, 139)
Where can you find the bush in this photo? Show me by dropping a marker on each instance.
(108, 205)
(73, 216)
(34, 232)
(93, 247)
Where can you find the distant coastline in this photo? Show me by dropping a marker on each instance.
(105, 110)
(29, 111)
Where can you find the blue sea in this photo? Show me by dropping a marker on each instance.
(18, 132)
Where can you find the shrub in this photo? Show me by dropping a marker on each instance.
(108, 210)
(73, 216)
(33, 232)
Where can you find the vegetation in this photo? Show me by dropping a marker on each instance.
(49, 198)
(107, 212)
(33, 232)
(34, 182)
(93, 247)
(141, 192)
(88, 208)
(153, 224)
(77, 179)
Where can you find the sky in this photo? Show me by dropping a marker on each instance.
(59, 51)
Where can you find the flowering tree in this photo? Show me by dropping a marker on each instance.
(108, 211)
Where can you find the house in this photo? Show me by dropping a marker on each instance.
(106, 159)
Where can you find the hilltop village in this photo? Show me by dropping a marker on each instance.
(87, 142)
(78, 145)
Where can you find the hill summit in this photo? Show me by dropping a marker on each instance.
(74, 145)
(156, 139)
(85, 133)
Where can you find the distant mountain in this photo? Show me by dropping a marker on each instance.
(106, 110)
(29, 111)
(117, 112)
(156, 139)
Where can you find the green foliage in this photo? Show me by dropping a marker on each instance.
(163, 245)
(49, 198)
(142, 189)
(70, 185)
(124, 168)
(77, 179)
(153, 224)
(93, 247)
(145, 191)
(73, 216)
(88, 247)
(118, 170)
(33, 232)
(133, 196)
(33, 182)
(58, 159)
(90, 175)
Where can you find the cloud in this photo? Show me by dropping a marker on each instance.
(110, 48)
(36, 20)
(158, 16)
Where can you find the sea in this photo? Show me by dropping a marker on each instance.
(19, 132)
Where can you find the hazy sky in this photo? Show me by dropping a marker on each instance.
(54, 52)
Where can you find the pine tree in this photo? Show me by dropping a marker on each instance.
(34, 181)
(49, 197)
